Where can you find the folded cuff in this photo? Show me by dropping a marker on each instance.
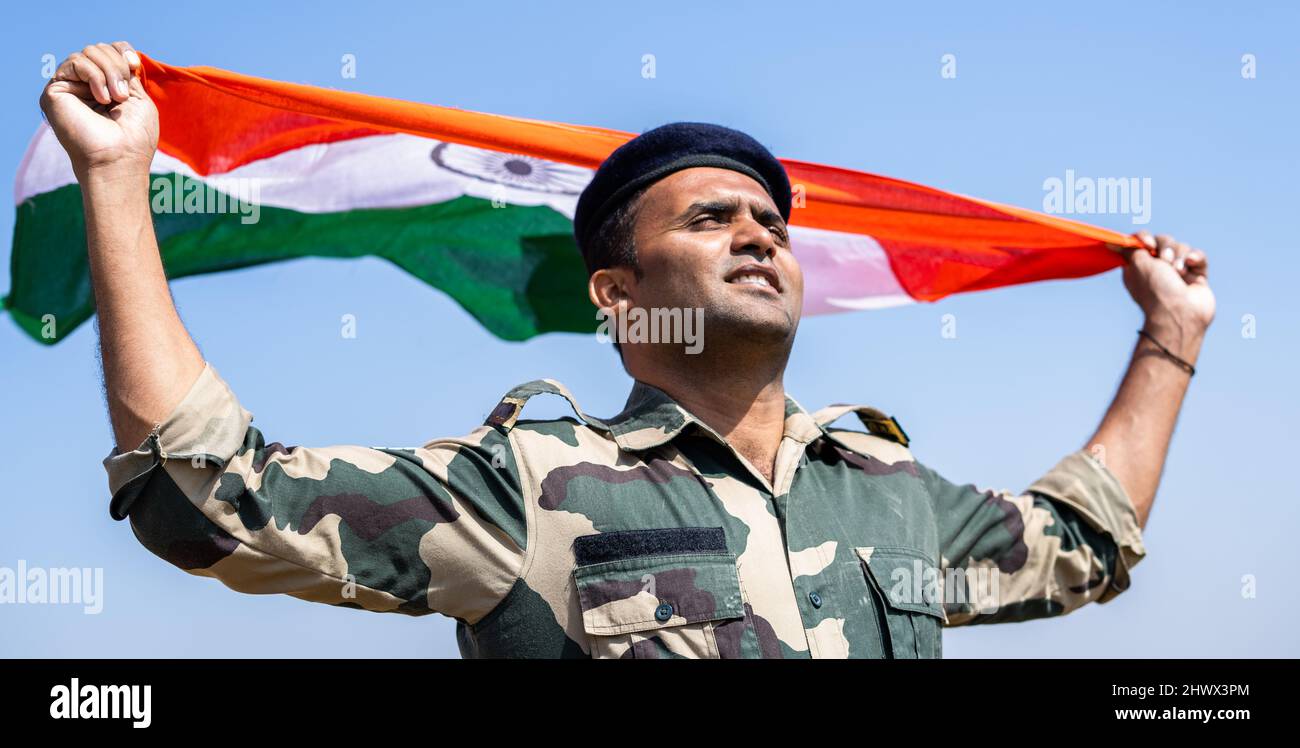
(1085, 485)
(206, 427)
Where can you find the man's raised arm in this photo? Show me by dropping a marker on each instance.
(1173, 290)
(105, 121)
(1075, 534)
(438, 528)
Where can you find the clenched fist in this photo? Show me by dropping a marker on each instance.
(99, 111)
(1173, 286)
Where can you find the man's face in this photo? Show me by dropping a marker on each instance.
(714, 239)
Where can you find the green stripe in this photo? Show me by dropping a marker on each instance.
(514, 268)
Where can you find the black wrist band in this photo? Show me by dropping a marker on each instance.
(1191, 370)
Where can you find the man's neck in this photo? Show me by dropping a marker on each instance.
(744, 404)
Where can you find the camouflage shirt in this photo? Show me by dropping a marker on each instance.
(640, 535)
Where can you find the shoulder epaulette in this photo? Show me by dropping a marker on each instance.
(506, 413)
(875, 421)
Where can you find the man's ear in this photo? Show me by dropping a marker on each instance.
(611, 288)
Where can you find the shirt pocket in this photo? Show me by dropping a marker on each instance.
(639, 603)
(908, 595)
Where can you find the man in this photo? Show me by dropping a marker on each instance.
(713, 517)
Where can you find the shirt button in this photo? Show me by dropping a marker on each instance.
(815, 599)
(664, 612)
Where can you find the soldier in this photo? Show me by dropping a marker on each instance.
(713, 517)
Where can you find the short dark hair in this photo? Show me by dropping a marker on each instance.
(614, 243)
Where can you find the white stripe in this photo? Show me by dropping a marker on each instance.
(45, 166)
(842, 271)
(378, 171)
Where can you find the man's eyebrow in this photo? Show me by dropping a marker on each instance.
(711, 206)
(767, 215)
(764, 214)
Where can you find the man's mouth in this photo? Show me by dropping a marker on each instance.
(761, 276)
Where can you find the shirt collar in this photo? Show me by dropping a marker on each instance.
(651, 417)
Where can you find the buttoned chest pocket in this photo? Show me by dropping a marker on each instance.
(909, 604)
(656, 593)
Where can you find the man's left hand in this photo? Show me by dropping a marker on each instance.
(1172, 287)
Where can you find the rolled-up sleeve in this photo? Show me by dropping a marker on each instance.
(208, 426)
(1069, 539)
(1084, 484)
(438, 528)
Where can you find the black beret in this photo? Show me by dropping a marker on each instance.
(656, 153)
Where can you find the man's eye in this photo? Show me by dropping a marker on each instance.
(702, 220)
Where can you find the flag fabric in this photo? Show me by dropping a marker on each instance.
(250, 171)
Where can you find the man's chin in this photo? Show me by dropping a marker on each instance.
(758, 323)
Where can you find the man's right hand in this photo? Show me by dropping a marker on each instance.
(100, 112)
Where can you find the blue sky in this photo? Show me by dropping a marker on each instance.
(1108, 89)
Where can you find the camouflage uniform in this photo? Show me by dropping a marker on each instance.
(641, 535)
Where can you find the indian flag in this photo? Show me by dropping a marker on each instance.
(250, 171)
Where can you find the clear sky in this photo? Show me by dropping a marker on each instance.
(1106, 89)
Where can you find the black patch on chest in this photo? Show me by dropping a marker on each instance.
(613, 546)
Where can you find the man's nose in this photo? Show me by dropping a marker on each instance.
(754, 237)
